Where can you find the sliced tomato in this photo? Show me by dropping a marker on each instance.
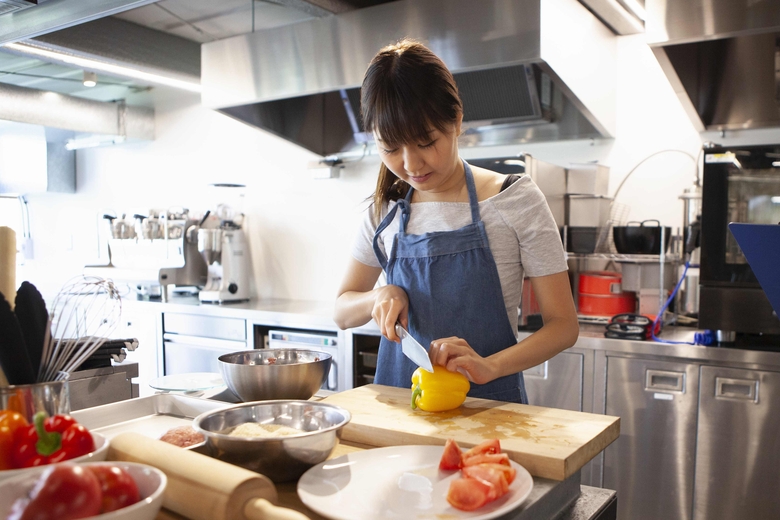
(487, 458)
(491, 476)
(489, 446)
(468, 494)
(508, 471)
(451, 458)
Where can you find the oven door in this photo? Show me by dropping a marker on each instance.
(186, 354)
(311, 341)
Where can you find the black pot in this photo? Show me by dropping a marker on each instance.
(640, 239)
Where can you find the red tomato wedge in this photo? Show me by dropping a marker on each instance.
(485, 447)
(508, 471)
(468, 494)
(487, 458)
(451, 458)
(491, 476)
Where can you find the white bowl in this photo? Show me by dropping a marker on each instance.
(101, 450)
(151, 486)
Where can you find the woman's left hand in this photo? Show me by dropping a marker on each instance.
(456, 355)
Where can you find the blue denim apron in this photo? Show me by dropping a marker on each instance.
(454, 290)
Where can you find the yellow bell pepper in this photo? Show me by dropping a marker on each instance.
(438, 391)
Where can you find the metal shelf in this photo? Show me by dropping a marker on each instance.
(639, 259)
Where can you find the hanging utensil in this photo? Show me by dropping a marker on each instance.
(13, 351)
(84, 313)
(34, 321)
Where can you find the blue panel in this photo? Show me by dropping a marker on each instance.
(761, 245)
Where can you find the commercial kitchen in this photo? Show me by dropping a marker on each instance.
(208, 159)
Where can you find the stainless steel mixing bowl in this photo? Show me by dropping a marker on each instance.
(279, 458)
(262, 374)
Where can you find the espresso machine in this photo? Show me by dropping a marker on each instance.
(226, 253)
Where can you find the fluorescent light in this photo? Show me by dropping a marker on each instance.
(775, 200)
(776, 164)
(110, 68)
(90, 79)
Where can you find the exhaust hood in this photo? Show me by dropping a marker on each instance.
(722, 57)
(527, 70)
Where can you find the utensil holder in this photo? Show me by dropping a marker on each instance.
(52, 397)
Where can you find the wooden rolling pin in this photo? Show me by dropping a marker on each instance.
(202, 488)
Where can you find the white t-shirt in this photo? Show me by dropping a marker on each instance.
(521, 231)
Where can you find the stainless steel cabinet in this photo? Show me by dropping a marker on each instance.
(651, 464)
(192, 343)
(557, 383)
(738, 449)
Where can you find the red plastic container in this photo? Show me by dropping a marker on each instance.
(606, 305)
(600, 282)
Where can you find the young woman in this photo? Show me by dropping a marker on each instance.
(454, 241)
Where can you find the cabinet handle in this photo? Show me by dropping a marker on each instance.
(539, 371)
(665, 381)
(333, 377)
(737, 389)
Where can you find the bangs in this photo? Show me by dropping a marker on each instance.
(407, 93)
(400, 118)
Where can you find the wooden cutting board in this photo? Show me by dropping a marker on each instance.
(548, 442)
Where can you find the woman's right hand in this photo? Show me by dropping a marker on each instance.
(391, 306)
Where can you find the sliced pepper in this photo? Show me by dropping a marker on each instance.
(438, 391)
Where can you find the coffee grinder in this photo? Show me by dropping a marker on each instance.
(226, 251)
(227, 254)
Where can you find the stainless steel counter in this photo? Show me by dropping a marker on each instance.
(282, 312)
(592, 338)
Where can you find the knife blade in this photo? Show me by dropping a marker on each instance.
(413, 350)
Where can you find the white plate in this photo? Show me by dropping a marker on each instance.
(400, 482)
(193, 382)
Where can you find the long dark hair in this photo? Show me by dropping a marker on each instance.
(407, 89)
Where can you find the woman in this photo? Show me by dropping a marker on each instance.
(454, 240)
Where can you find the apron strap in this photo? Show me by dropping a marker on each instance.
(473, 201)
(404, 205)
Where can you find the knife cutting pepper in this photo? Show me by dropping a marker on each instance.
(439, 390)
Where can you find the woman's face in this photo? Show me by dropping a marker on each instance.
(428, 166)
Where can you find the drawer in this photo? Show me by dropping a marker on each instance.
(205, 326)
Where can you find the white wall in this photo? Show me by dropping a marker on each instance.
(301, 229)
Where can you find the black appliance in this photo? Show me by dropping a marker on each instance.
(740, 184)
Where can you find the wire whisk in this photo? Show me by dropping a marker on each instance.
(84, 314)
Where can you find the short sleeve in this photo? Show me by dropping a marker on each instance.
(526, 211)
(363, 248)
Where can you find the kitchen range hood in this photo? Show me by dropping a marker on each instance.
(722, 57)
(527, 70)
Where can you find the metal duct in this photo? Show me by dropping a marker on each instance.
(722, 58)
(54, 15)
(520, 81)
(50, 109)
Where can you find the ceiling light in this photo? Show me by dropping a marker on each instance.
(90, 79)
(102, 66)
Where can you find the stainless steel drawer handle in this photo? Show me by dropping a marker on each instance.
(665, 380)
(739, 389)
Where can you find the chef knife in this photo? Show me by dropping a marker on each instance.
(412, 349)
